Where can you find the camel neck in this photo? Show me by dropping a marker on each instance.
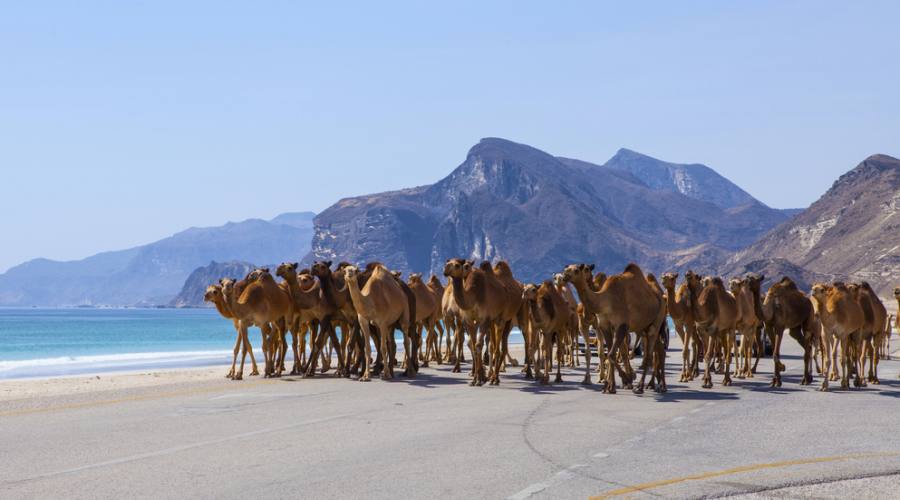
(328, 289)
(459, 294)
(361, 303)
(671, 303)
(592, 300)
(223, 308)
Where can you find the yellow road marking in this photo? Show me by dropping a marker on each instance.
(735, 470)
(146, 397)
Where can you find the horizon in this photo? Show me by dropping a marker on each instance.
(125, 124)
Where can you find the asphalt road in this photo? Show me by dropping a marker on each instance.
(435, 436)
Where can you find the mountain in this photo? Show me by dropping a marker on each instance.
(692, 180)
(852, 231)
(514, 202)
(194, 287)
(154, 273)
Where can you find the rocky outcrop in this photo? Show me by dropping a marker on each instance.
(853, 230)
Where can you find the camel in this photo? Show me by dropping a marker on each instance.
(842, 319)
(453, 319)
(216, 296)
(678, 304)
(754, 282)
(382, 303)
(574, 321)
(427, 312)
(625, 303)
(514, 310)
(337, 308)
(747, 322)
(715, 312)
(550, 316)
(786, 307)
(437, 289)
(481, 299)
(872, 333)
(310, 309)
(260, 301)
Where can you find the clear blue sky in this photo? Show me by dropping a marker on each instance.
(124, 122)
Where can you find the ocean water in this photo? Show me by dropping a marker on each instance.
(61, 342)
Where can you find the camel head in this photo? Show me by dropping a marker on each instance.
(351, 273)
(819, 290)
(897, 292)
(457, 268)
(558, 279)
(213, 294)
(397, 274)
(414, 278)
(321, 268)
(306, 281)
(693, 280)
(581, 273)
(434, 280)
(853, 288)
(256, 274)
(227, 286)
(669, 279)
(530, 292)
(287, 269)
(735, 285)
(755, 281)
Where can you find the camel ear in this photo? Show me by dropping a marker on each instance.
(327, 263)
(591, 267)
(675, 275)
(762, 277)
(296, 265)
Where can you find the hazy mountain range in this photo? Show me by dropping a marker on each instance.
(154, 273)
(538, 211)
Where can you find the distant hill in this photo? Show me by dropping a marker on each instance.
(515, 202)
(852, 231)
(194, 287)
(154, 273)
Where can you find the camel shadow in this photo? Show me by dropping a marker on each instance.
(533, 387)
(678, 394)
(429, 380)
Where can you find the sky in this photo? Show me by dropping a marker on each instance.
(124, 122)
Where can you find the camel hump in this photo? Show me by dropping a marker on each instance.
(502, 268)
(486, 266)
(718, 281)
(633, 269)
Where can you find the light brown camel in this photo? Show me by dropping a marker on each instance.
(453, 320)
(427, 311)
(481, 301)
(338, 308)
(309, 307)
(261, 302)
(872, 333)
(574, 321)
(842, 318)
(382, 303)
(786, 307)
(514, 311)
(437, 290)
(678, 304)
(625, 303)
(746, 323)
(754, 281)
(715, 312)
(549, 314)
(215, 295)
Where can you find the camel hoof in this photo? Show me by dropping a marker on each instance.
(586, 381)
(637, 390)
(472, 383)
(254, 373)
(514, 362)
(238, 377)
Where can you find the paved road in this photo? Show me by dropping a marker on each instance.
(436, 436)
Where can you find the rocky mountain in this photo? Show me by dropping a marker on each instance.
(194, 287)
(852, 231)
(154, 273)
(540, 212)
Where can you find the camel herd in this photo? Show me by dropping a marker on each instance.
(843, 328)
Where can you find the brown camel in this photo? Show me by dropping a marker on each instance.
(842, 319)
(481, 301)
(571, 335)
(625, 303)
(786, 307)
(339, 309)
(747, 322)
(310, 309)
(755, 281)
(513, 310)
(715, 312)
(216, 296)
(427, 312)
(678, 304)
(382, 303)
(549, 314)
(261, 302)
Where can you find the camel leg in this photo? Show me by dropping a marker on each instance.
(707, 358)
(499, 354)
(776, 358)
(475, 351)
(239, 374)
(586, 335)
(238, 342)
(427, 354)
(685, 351)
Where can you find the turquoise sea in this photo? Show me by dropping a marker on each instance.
(58, 342)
